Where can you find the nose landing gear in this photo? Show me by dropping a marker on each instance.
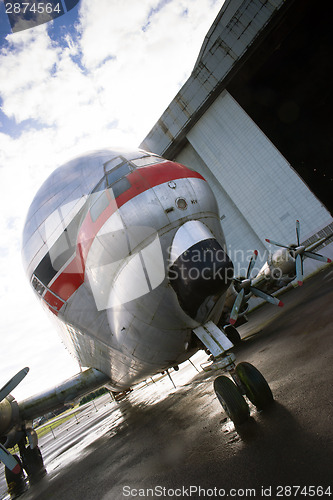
(231, 400)
(254, 385)
(248, 381)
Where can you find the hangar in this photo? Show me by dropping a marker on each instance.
(254, 118)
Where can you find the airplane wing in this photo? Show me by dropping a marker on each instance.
(16, 417)
(71, 389)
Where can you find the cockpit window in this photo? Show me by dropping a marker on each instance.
(147, 160)
(99, 206)
(110, 165)
(117, 173)
(120, 187)
(115, 179)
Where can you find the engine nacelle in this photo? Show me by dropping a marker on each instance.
(9, 415)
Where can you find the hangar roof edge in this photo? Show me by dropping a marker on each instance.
(228, 42)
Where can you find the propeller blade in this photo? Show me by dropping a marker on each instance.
(9, 461)
(299, 270)
(298, 232)
(316, 256)
(277, 244)
(236, 307)
(13, 382)
(269, 298)
(252, 263)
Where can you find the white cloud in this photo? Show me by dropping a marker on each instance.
(26, 62)
(132, 89)
(151, 65)
(105, 85)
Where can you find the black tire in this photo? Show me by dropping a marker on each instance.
(16, 482)
(33, 464)
(231, 400)
(232, 334)
(255, 385)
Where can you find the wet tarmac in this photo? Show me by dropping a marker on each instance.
(163, 442)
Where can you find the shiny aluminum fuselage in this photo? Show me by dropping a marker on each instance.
(109, 288)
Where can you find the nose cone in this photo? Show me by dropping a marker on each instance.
(204, 270)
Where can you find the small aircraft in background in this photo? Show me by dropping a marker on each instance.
(281, 268)
(126, 252)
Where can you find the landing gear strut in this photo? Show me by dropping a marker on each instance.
(32, 462)
(247, 380)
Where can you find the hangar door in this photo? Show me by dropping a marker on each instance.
(259, 193)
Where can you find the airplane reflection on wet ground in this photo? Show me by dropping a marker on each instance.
(177, 438)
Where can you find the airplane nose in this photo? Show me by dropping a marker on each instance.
(201, 271)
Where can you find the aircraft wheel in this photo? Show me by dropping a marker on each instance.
(16, 482)
(232, 334)
(33, 464)
(255, 385)
(231, 400)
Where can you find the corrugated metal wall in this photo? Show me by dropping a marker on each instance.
(259, 194)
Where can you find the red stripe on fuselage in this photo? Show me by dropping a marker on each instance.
(141, 180)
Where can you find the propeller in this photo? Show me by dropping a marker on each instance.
(246, 287)
(6, 457)
(12, 383)
(299, 252)
(9, 460)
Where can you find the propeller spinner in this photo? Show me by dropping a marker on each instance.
(5, 457)
(246, 287)
(300, 252)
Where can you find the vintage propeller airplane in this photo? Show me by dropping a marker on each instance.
(126, 252)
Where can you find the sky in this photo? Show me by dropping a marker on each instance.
(99, 76)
